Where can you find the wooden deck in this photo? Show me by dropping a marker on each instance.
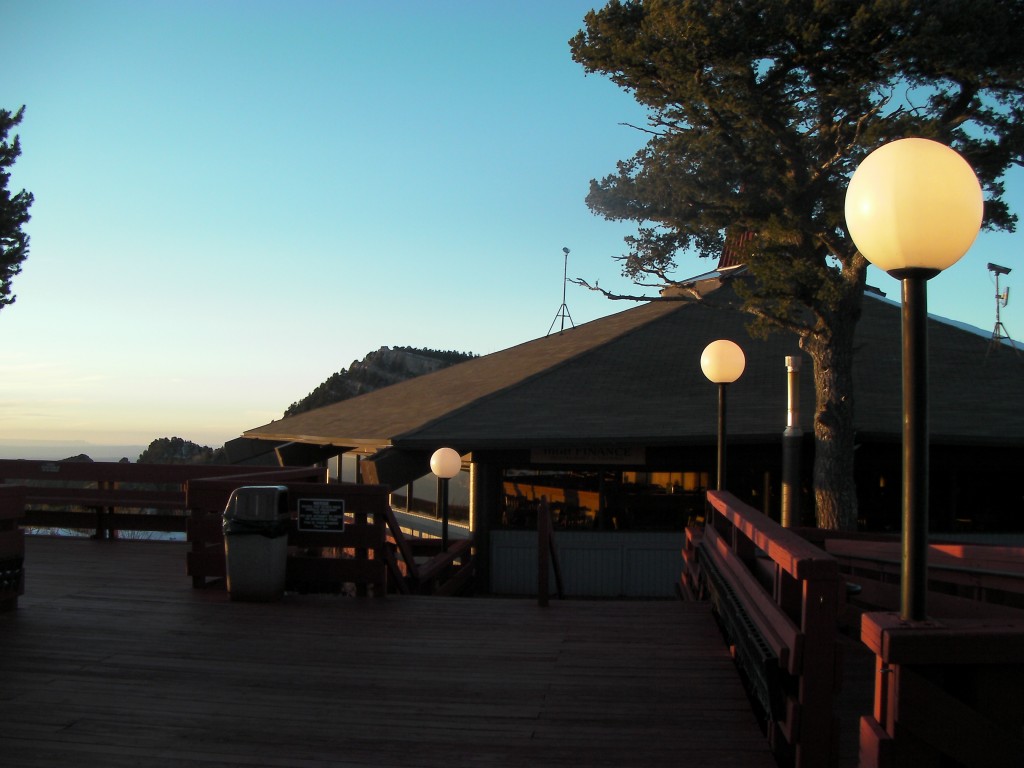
(112, 659)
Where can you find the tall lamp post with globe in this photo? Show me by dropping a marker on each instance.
(913, 208)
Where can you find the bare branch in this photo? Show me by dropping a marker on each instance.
(691, 294)
(642, 130)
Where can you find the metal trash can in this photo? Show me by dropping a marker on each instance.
(256, 522)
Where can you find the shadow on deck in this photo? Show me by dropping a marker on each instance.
(112, 659)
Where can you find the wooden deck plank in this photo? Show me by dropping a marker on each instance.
(113, 659)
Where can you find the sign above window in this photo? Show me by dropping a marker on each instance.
(590, 454)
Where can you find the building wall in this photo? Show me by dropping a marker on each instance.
(642, 564)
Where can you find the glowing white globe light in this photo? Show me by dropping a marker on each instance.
(914, 204)
(446, 462)
(722, 361)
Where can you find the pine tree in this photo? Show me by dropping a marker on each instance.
(13, 209)
(759, 112)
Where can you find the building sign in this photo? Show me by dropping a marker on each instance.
(594, 454)
(324, 515)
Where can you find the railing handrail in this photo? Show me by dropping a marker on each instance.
(941, 692)
(785, 594)
(42, 484)
(793, 553)
(113, 471)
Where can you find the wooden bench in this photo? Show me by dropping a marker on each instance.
(963, 579)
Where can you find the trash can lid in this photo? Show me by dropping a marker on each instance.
(257, 502)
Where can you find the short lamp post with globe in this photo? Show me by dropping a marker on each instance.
(445, 463)
(722, 362)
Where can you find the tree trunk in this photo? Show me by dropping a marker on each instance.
(835, 492)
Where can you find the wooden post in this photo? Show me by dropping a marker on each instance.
(12, 546)
(543, 552)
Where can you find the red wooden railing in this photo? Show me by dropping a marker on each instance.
(965, 579)
(372, 550)
(107, 497)
(423, 566)
(947, 693)
(776, 597)
(947, 690)
(110, 497)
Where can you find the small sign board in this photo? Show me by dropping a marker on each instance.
(323, 515)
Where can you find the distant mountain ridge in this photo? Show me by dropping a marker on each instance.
(378, 369)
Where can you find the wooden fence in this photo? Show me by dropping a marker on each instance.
(947, 690)
(107, 497)
(947, 693)
(776, 597)
(371, 551)
(355, 553)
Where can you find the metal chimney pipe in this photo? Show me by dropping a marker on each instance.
(792, 440)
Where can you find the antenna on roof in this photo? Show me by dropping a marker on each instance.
(563, 311)
(1002, 299)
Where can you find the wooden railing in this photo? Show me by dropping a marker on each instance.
(947, 693)
(12, 546)
(964, 580)
(947, 690)
(422, 565)
(372, 550)
(776, 597)
(107, 497)
(110, 497)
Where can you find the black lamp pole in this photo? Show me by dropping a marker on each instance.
(914, 314)
(720, 482)
(443, 481)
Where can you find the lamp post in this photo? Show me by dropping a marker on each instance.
(913, 208)
(722, 362)
(445, 463)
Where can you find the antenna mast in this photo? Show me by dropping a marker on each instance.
(563, 311)
(1002, 299)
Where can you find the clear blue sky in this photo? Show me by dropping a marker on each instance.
(236, 199)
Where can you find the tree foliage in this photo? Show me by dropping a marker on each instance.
(378, 369)
(176, 450)
(13, 209)
(759, 112)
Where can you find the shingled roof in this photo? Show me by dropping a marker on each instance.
(634, 377)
